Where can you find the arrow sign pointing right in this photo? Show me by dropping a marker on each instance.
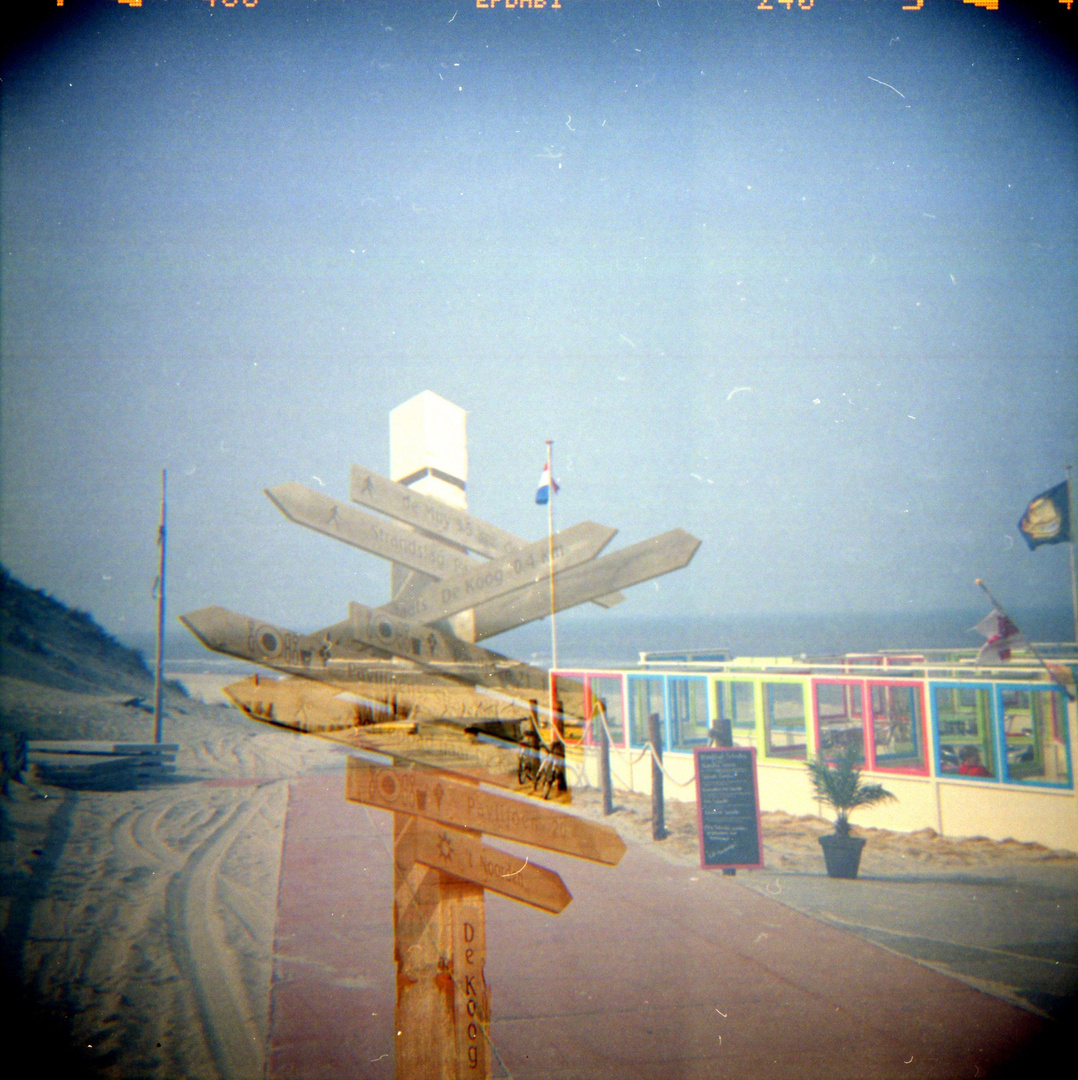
(436, 797)
(618, 570)
(526, 566)
(443, 848)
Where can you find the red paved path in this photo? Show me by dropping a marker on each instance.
(654, 971)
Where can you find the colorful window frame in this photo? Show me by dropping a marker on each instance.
(782, 723)
(838, 713)
(735, 699)
(869, 713)
(615, 705)
(964, 719)
(1034, 733)
(645, 694)
(688, 712)
(903, 729)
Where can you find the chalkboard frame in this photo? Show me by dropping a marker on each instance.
(750, 753)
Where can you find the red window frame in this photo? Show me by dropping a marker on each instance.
(868, 727)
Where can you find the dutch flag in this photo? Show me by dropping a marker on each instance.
(547, 484)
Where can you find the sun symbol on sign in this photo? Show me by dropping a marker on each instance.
(445, 847)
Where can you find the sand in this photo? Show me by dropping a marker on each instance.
(147, 916)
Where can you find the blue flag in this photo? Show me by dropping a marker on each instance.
(1047, 519)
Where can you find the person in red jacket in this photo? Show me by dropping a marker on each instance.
(969, 762)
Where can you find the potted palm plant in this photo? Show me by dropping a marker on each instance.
(839, 785)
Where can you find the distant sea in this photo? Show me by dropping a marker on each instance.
(593, 641)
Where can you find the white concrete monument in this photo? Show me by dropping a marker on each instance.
(428, 448)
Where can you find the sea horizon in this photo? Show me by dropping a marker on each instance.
(593, 641)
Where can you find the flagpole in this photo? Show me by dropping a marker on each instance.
(157, 683)
(550, 564)
(1070, 525)
(1028, 644)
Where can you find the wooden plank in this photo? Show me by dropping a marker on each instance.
(438, 519)
(443, 653)
(438, 798)
(275, 647)
(461, 854)
(618, 570)
(471, 997)
(430, 514)
(379, 536)
(98, 746)
(423, 947)
(526, 566)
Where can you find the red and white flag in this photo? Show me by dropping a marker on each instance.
(1002, 636)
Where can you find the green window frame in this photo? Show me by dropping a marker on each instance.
(840, 717)
(735, 701)
(897, 727)
(963, 725)
(785, 721)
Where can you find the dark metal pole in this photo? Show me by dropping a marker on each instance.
(604, 758)
(157, 683)
(658, 810)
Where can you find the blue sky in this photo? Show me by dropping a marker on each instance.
(234, 239)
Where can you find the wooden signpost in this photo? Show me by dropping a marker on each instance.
(441, 869)
(728, 807)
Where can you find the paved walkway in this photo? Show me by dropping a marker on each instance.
(655, 970)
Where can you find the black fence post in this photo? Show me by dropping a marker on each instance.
(658, 810)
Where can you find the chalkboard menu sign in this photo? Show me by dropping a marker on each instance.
(728, 807)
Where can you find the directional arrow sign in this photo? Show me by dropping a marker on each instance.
(618, 570)
(376, 535)
(263, 643)
(430, 514)
(525, 566)
(444, 653)
(435, 517)
(438, 798)
(461, 854)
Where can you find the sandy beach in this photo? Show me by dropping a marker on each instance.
(145, 919)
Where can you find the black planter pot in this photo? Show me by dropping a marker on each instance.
(842, 854)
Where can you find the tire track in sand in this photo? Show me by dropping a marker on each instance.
(234, 1035)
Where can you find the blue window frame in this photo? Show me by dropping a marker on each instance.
(1034, 736)
(688, 711)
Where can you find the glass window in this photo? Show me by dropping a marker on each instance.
(840, 711)
(736, 702)
(608, 688)
(688, 712)
(964, 724)
(645, 698)
(896, 726)
(1035, 736)
(784, 721)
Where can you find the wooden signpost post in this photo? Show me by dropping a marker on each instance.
(441, 868)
